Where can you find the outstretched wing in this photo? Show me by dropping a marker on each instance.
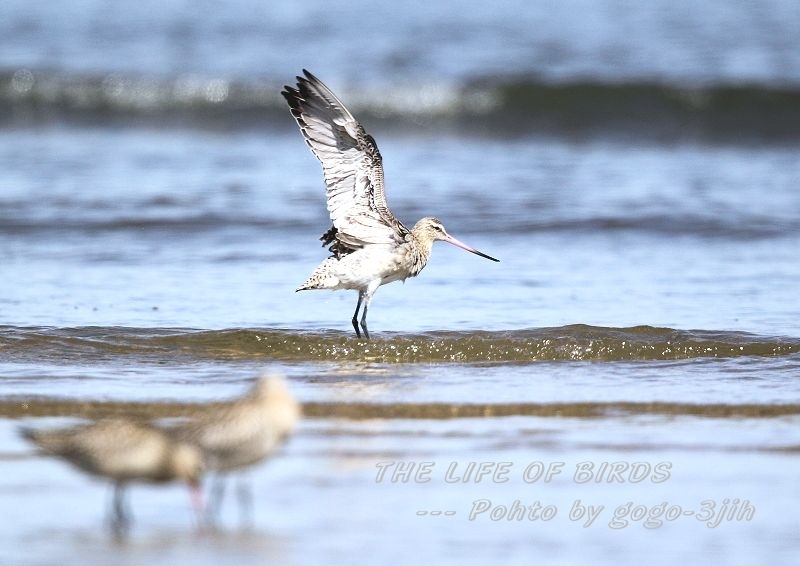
(352, 166)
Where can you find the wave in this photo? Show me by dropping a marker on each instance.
(191, 222)
(567, 343)
(21, 221)
(511, 105)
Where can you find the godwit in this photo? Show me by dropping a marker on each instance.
(369, 245)
(241, 433)
(123, 451)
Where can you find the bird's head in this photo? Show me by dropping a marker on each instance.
(429, 229)
(274, 395)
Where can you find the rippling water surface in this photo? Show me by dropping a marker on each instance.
(633, 168)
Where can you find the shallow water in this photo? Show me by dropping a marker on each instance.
(633, 168)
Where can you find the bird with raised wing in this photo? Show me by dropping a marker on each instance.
(124, 451)
(369, 246)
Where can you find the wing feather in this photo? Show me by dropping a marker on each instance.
(351, 164)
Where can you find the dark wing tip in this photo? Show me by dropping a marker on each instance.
(308, 77)
(291, 94)
(303, 89)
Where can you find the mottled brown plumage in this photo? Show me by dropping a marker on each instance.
(243, 432)
(122, 451)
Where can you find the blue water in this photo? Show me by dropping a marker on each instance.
(633, 166)
(367, 43)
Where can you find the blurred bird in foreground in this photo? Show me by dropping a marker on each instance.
(239, 434)
(124, 451)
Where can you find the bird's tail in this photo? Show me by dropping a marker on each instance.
(322, 278)
(35, 437)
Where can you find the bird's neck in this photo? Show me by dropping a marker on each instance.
(420, 251)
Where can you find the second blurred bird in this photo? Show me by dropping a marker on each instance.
(238, 434)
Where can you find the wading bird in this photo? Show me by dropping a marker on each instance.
(241, 433)
(124, 451)
(369, 246)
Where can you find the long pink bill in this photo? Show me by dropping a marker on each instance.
(450, 239)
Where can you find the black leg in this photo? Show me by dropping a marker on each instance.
(364, 322)
(355, 314)
(367, 297)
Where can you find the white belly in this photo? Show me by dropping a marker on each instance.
(360, 269)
